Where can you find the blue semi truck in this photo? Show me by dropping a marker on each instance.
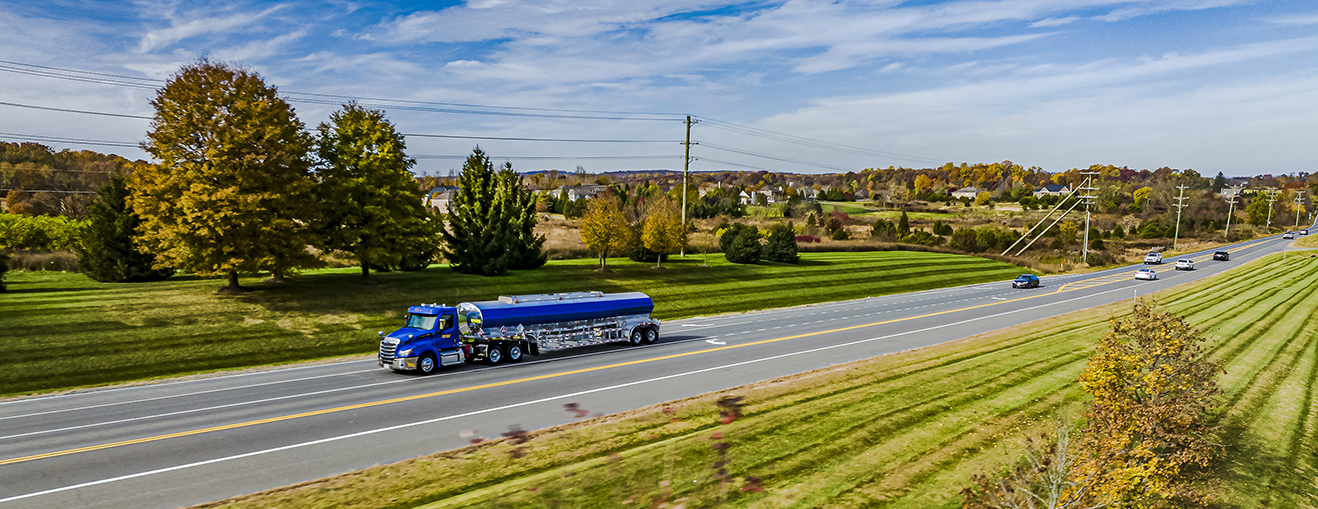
(505, 330)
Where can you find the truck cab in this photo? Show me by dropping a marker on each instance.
(428, 340)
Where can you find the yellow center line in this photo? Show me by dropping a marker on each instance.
(497, 384)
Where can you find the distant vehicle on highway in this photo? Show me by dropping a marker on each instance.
(1026, 281)
(1221, 256)
(1288, 235)
(1148, 274)
(1185, 264)
(1154, 258)
(1304, 232)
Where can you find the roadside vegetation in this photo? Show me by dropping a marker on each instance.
(107, 333)
(907, 430)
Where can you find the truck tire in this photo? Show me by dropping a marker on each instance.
(638, 337)
(427, 364)
(514, 352)
(651, 335)
(493, 355)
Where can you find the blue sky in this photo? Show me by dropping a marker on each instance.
(1214, 85)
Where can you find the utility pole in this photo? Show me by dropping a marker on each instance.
(1180, 204)
(1299, 201)
(686, 168)
(1231, 208)
(1088, 199)
(1272, 197)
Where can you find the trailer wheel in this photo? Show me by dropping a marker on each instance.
(493, 355)
(651, 336)
(427, 364)
(514, 352)
(636, 338)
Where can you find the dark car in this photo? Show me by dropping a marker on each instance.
(1026, 281)
(1222, 256)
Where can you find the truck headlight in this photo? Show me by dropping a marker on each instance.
(404, 353)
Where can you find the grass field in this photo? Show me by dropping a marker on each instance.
(899, 431)
(64, 330)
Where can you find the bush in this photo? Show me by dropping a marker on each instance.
(741, 244)
(966, 240)
(782, 244)
(35, 260)
(841, 234)
(4, 267)
(107, 252)
(1096, 244)
(807, 239)
(884, 230)
(39, 232)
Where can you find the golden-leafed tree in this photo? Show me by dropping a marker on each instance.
(604, 228)
(232, 191)
(662, 230)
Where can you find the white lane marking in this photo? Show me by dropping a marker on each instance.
(156, 386)
(707, 324)
(179, 395)
(714, 342)
(206, 409)
(525, 403)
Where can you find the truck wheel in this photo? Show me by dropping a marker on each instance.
(493, 355)
(514, 352)
(636, 338)
(651, 336)
(427, 364)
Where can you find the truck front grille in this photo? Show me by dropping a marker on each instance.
(387, 352)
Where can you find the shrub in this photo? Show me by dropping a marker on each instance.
(841, 234)
(4, 267)
(741, 244)
(39, 232)
(107, 252)
(782, 244)
(966, 240)
(807, 239)
(884, 230)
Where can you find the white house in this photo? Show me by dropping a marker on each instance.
(966, 192)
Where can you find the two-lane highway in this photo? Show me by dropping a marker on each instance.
(186, 442)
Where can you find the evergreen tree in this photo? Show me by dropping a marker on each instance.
(1219, 182)
(781, 246)
(107, 252)
(741, 243)
(491, 221)
(233, 190)
(528, 249)
(373, 207)
(903, 225)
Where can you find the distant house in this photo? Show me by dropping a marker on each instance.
(440, 197)
(747, 197)
(575, 193)
(1229, 192)
(1052, 190)
(966, 192)
(706, 187)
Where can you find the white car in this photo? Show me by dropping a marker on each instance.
(1184, 264)
(1288, 235)
(1304, 232)
(1148, 274)
(1154, 258)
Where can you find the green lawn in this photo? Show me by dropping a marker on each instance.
(899, 431)
(64, 330)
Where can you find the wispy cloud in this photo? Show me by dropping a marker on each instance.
(1294, 19)
(182, 28)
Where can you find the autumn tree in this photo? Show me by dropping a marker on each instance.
(1154, 386)
(107, 251)
(372, 205)
(604, 228)
(233, 190)
(491, 221)
(662, 230)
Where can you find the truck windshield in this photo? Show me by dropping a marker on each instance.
(421, 321)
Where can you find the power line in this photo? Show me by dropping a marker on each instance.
(776, 158)
(69, 110)
(563, 140)
(800, 140)
(432, 156)
(314, 98)
(61, 139)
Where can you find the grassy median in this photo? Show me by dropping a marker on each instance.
(64, 330)
(903, 431)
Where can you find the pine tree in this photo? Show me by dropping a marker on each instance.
(233, 190)
(903, 225)
(527, 249)
(107, 252)
(479, 229)
(373, 207)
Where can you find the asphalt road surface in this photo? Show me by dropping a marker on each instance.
(187, 442)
